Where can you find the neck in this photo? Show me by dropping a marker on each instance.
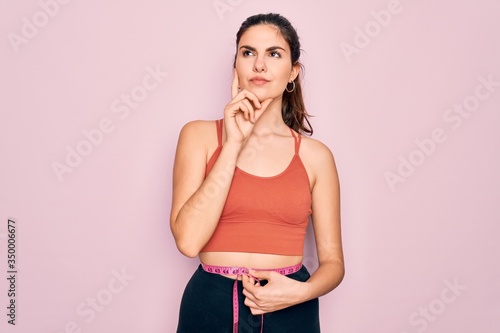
(271, 121)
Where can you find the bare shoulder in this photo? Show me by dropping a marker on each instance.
(199, 132)
(197, 138)
(198, 129)
(314, 151)
(317, 158)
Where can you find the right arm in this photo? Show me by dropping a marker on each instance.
(197, 202)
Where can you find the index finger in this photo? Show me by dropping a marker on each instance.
(234, 86)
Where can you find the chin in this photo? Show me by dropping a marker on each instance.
(262, 96)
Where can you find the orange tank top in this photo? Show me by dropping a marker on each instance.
(263, 214)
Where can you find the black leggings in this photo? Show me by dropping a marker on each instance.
(207, 307)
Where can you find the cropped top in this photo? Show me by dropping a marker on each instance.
(263, 214)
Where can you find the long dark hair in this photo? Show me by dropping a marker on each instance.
(293, 109)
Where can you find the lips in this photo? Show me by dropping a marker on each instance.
(259, 81)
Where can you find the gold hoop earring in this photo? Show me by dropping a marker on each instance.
(293, 88)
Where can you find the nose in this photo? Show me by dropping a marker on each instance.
(259, 65)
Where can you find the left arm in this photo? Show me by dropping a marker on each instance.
(281, 291)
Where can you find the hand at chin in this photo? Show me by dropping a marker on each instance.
(263, 97)
(261, 94)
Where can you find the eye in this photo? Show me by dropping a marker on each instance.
(247, 53)
(275, 54)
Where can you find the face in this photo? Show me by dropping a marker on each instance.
(263, 62)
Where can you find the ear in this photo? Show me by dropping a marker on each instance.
(295, 71)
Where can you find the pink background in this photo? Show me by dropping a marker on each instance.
(421, 254)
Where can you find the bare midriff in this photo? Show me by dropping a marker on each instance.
(248, 260)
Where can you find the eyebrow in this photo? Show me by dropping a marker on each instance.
(272, 48)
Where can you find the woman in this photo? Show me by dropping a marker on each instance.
(243, 190)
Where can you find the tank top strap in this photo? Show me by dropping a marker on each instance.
(298, 139)
(218, 123)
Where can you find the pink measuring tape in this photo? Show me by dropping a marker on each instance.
(239, 271)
